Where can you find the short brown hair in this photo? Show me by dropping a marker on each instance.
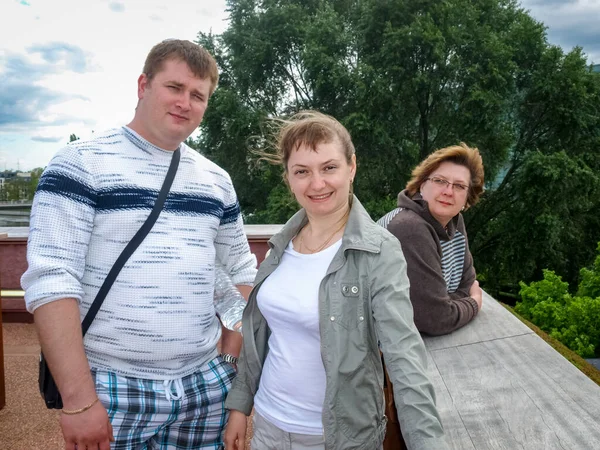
(310, 128)
(463, 155)
(200, 62)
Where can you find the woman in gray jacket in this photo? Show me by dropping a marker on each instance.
(330, 295)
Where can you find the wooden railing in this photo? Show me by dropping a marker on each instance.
(3, 236)
(13, 262)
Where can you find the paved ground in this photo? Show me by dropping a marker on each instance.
(25, 423)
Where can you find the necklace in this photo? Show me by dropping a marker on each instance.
(324, 244)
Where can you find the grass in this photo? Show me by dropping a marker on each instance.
(590, 371)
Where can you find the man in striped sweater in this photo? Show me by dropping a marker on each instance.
(150, 354)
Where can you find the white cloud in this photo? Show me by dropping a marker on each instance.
(67, 68)
(570, 23)
(52, 139)
(117, 6)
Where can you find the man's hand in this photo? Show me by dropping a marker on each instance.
(476, 293)
(234, 437)
(231, 342)
(90, 429)
(59, 329)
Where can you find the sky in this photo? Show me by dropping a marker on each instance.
(71, 66)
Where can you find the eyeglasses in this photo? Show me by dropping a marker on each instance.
(440, 182)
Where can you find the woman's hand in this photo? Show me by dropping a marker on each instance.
(234, 437)
(476, 293)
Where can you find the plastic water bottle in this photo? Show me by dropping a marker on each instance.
(229, 303)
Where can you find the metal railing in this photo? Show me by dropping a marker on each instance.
(11, 293)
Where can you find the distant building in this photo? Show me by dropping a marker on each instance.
(21, 189)
(25, 176)
(596, 68)
(8, 174)
(5, 177)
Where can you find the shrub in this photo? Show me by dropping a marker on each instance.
(589, 286)
(573, 320)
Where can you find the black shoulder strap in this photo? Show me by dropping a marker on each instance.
(133, 244)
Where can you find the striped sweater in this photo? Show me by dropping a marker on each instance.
(158, 320)
(439, 265)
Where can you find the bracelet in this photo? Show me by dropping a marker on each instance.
(71, 412)
(229, 358)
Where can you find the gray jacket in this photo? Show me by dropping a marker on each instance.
(364, 300)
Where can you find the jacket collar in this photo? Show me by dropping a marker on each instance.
(360, 232)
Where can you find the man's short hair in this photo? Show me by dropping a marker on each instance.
(201, 63)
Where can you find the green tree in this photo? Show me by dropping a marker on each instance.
(33, 183)
(406, 78)
(18, 188)
(73, 137)
(589, 286)
(542, 213)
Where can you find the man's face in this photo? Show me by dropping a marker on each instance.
(171, 105)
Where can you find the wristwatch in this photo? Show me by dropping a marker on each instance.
(229, 358)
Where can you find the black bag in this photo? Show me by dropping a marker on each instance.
(47, 386)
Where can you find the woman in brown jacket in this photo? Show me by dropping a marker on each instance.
(428, 222)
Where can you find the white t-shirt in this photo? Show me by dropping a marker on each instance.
(292, 385)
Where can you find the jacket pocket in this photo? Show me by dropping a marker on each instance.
(358, 403)
(347, 305)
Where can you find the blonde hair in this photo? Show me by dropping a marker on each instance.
(310, 128)
(463, 155)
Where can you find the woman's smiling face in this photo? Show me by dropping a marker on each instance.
(320, 179)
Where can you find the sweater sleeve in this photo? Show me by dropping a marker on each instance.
(403, 351)
(231, 243)
(435, 311)
(62, 218)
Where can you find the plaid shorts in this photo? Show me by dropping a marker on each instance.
(187, 413)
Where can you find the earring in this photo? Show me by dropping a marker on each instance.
(463, 208)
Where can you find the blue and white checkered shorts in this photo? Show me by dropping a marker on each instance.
(187, 413)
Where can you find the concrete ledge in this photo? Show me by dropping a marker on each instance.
(500, 386)
(13, 263)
